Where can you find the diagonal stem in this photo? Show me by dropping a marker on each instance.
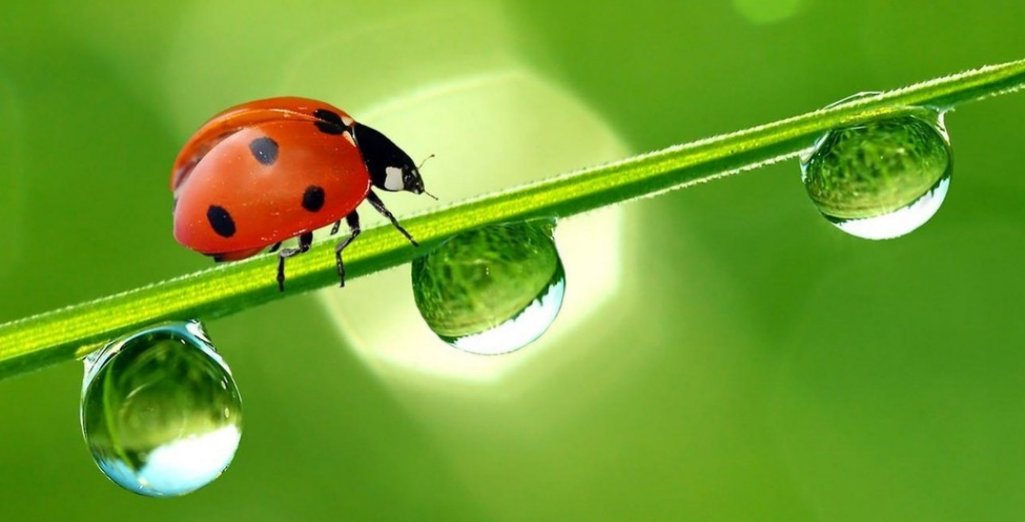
(61, 335)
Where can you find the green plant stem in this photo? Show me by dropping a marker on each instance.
(61, 335)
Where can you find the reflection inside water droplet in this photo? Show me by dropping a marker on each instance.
(881, 179)
(493, 290)
(161, 413)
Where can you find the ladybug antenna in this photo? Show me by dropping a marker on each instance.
(418, 167)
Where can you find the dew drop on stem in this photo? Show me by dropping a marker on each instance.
(491, 290)
(160, 412)
(881, 179)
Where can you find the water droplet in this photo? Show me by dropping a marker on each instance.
(881, 179)
(161, 413)
(492, 290)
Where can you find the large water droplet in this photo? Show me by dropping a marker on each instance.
(160, 411)
(881, 179)
(493, 290)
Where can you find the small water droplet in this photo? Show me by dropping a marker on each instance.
(492, 290)
(881, 179)
(161, 413)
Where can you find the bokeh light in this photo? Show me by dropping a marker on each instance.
(486, 133)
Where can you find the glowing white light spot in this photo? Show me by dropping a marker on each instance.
(445, 119)
(185, 463)
(181, 466)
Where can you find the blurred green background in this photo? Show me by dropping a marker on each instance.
(724, 353)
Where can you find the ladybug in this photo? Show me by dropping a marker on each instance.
(270, 170)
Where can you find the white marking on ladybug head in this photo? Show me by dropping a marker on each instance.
(348, 137)
(347, 121)
(393, 179)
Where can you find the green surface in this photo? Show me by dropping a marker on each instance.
(754, 363)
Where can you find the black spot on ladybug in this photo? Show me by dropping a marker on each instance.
(329, 122)
(220, 220)
(264, 149)
(313, 198)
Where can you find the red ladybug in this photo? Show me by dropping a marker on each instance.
(270, 170)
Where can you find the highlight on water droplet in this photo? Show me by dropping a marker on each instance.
(161, 413)
(492, 290)
(881, 179)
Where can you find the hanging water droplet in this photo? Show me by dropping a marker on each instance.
(492, 290)
(881, 179)
(160, 410)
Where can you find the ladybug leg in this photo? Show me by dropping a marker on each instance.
(275, 247)
(379, 206)
(305, 241)
(337, 225)
(353, 221)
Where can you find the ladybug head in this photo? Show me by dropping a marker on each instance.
(390, 168)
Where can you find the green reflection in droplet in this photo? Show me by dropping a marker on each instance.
(881, 179)
(161, 413)
(491, 290)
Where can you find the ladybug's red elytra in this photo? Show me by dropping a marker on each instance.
(269, 170)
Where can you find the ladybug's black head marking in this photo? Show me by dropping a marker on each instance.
(390, 168)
